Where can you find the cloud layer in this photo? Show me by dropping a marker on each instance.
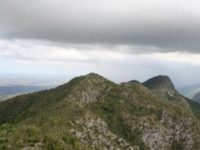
(162, 26)
(62, 63)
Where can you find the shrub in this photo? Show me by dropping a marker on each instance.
(52, 143)
(7, 127)
(3, 146)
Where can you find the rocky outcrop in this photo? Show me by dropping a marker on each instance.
(95, 133)
(168, 134)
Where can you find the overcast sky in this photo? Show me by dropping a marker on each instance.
(119, 39)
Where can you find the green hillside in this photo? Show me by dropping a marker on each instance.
(195, 107)
(91, 112)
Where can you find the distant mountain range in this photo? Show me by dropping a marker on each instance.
(91, 112)
(191, 92)
(187, 89)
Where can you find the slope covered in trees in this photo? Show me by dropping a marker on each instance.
(91, 112)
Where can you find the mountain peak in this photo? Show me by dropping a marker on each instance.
(89, 88)
(163, 87)
(93, 75)
(134, 81)
(159, 81)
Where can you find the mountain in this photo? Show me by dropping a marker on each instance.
(163, 87)
(159, 81)
(91, 112)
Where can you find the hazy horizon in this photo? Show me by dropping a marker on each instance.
(32, 80)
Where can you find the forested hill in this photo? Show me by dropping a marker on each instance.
(91, 112)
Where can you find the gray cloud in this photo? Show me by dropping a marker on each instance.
(155, 25)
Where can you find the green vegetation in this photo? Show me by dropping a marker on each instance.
(61, 118)
(195, 107)
(177, 145)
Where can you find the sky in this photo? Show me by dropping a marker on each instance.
(122, 40)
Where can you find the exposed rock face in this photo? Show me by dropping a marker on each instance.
(95, 133)
(167, 132)
(172, 131)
